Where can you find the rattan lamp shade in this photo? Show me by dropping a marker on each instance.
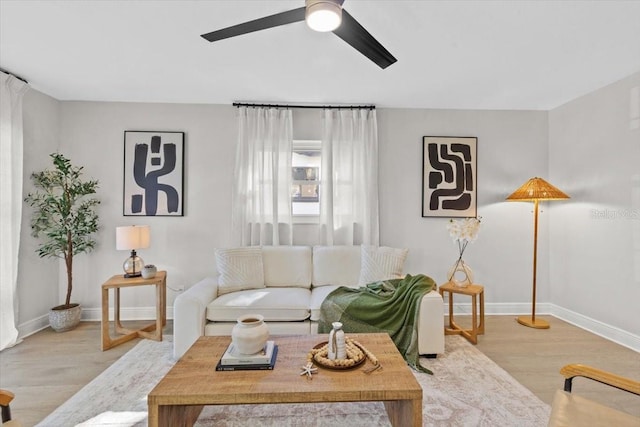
(536, 189)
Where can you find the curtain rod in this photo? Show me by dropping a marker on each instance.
(11, 74)
(337, 107)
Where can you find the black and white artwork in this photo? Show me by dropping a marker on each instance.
(449, 176)
(153, 173)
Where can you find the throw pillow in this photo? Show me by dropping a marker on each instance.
(336, 265)
(381, 263)
(239, 269)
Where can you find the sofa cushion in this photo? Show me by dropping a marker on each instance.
(318, 295)
(275, 304)
(381, 263)
(287, 266)
(239, 269)
(336, 265)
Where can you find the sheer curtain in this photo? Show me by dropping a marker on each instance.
(349, 178)
(262, 177)
(11, 92)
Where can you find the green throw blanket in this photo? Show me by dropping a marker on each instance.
(390, 306)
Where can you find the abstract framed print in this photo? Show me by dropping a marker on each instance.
(449, 176)
(153, 173)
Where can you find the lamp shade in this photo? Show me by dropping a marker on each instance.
(323, 15)
(132, 237)
(536, 189)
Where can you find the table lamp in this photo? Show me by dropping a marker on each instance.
(535, 190)
(132, 237)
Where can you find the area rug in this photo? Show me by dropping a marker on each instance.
(467, 389)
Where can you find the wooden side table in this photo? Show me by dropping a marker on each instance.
(477, 324)
(152, 331)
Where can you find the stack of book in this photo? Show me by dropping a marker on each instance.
(231, 360)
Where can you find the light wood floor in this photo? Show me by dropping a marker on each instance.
(48, 367)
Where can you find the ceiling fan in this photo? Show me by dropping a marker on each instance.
(320, 15)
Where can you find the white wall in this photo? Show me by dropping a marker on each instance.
(595, 157)
(91, 134)
(37, 277)
(513, 146)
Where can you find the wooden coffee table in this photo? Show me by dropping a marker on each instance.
(193, 382)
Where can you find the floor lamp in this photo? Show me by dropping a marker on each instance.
(535, 190)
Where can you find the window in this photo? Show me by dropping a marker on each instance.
(305, 178)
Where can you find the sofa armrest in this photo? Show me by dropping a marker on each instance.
(189, 314)
(431, 324)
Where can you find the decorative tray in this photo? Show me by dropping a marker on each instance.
(355, 357)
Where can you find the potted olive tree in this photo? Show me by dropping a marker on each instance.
(65, 219)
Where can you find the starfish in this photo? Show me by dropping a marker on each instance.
(308, 369)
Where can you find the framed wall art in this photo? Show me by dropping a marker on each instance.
(153, 173)
(449, 176)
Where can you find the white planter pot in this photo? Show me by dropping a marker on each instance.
(65, 319)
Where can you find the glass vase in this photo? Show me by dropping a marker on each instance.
(460, 274)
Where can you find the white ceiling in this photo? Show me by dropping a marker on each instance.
(451, 54)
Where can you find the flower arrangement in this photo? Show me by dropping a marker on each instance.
(462, 232)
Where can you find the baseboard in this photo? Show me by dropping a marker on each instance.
(609, 332)
(126, 313)
(32, 326)
(92, 315)
(500, 308)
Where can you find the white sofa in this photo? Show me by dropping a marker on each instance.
(287, 284)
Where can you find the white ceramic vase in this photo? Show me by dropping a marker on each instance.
(337, 345)
(250, 334)
(460, 274)
(149, 271)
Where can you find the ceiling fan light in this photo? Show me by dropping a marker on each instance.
(323, 15)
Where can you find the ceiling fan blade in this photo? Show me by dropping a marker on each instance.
(355, 34)
(288, 17)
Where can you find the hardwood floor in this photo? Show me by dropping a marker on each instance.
(534, 358)
(48, 367)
